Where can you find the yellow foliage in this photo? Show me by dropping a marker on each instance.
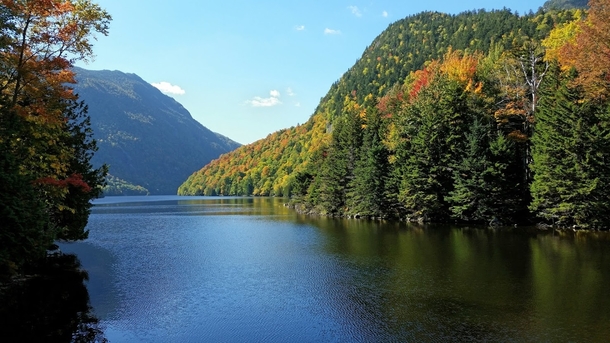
(460, 66)
(560, 36)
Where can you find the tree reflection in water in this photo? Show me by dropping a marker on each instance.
(50, 306)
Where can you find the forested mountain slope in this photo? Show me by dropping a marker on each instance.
(269, 166)
(146, 138)
(564, 4)
(480, 117)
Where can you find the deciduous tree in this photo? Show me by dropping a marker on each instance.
(45, 133)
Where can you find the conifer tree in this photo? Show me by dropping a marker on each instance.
(337, 171)
(368, 195)
(571, 141)
(470, 188)
(433, 128)
(486, 180)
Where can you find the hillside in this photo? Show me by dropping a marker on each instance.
(564, 4)
(147, 138)
(269, 166)
(483, 117)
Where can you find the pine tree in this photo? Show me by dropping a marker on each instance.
(571, 147)
(467, 199)
(433, 129)
(368, 195)
(487, 179)
(337, 170)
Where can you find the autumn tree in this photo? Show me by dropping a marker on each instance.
(45, 136)
(589, 50)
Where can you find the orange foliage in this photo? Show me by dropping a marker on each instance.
(456, 65)
(49, 36)
(459, 66)
(589, 51)
(518, 136)
(421, 79)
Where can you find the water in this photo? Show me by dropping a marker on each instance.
(172, 269)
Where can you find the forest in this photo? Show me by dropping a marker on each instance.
(46, 178)
(480, 117)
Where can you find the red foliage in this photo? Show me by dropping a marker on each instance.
(390, 103)
(422, 79)
(74, 180)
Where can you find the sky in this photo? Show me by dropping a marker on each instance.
(246, 69)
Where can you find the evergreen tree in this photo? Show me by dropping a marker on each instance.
(433, 128)
(368, 195)
(24, 236)
(486, 180)
(467, 199)
(337, 170)
(89, 181)
(571, 141)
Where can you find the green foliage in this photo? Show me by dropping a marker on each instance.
(486, 187)
(571, 148)
(83, 146)
(433, 126)
(564, 4)
(116, 186)
(369, 189)
(24, 235)
(405, 46)
(435, 122)
(46, 145)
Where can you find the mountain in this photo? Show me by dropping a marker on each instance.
(483, 117)
(271, 166)
(148, 139)
(564, 4)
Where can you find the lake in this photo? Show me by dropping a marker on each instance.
(201, 269)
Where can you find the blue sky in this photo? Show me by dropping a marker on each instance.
(246, 69)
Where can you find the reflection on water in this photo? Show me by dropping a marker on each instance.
(52, 306)
(248, 269)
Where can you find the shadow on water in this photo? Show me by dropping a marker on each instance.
(449, 283)
(99, 264)
(175, 269)
(51, 306)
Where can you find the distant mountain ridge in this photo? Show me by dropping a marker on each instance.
(146, 137)
(564, 4)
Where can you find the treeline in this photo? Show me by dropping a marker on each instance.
(504, 137)
(507, 126)
(46, 179)
(117, 186)
(269, 166)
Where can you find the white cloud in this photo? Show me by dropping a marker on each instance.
(298, 104)
(328, 31)
(168, 88)
(300, 28)
(290, 92)
(271, 101)
(384, 14)
(355, 11)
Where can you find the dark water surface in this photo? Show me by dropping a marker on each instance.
(172, 269)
